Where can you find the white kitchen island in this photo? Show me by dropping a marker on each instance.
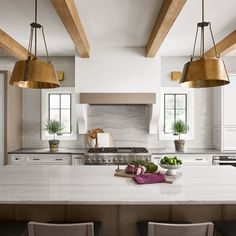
(76, 193)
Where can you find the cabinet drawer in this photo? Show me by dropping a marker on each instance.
(17, 159)
(49, 159)
(196, 159)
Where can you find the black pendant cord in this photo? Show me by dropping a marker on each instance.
(45, 44)
(202, 25)
(35, 21)
(33, 36)
(213, 40)
(203, 33)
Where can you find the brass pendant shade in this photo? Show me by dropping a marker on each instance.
(204, 72)
(32, 72)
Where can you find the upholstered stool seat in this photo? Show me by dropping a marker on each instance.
(65, 228)
(13, 228)
(226, 228)
(150, 228)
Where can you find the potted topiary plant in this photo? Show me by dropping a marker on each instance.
(54, 127)
(179, 127)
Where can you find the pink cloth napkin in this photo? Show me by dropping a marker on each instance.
(150, 179)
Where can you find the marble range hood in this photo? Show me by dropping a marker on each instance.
(84, 99)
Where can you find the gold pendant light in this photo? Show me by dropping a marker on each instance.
(34, 73)
(205, 72)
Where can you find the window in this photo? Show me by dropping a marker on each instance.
(176, 104)
(175, 108)
(58, 104)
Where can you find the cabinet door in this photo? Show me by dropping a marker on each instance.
(229, 135)
(229, 99)
(17, 159)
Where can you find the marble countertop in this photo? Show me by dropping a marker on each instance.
(189, 151)
(98, 185)
(151, 150)
(47, 151)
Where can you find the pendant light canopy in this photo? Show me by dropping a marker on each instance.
(34, 73)
(204, 72)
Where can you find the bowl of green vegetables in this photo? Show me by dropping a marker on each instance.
(171, 163)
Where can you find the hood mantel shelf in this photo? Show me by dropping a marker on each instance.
(117, 98)
(85, 99)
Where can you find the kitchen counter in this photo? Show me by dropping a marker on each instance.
(157, 151)
(97, 185)
(47, 151)
(189, 151)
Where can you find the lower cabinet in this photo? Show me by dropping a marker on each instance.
(188, 159)
(40, 159)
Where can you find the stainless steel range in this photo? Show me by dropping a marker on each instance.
(115, 155)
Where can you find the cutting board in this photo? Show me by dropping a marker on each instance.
(122, 173)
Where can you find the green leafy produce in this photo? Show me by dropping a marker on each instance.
(150, 166)
(170, 161)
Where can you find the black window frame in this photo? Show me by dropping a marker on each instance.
(175, 109)
(49, 109)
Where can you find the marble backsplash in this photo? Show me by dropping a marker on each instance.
(128, 124)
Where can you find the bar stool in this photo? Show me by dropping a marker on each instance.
(70, 229)
(13, 228)
(164, 229)
(227, 228)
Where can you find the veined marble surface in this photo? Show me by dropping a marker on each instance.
(97, 185)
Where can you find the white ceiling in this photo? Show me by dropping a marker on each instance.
(117, 23)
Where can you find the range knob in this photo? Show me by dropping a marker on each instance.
(94, 160)
(115, 159)
(104, 160)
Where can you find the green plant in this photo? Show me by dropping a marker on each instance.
(54, 127)
(179, 127)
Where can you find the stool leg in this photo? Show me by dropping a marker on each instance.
(217, 233)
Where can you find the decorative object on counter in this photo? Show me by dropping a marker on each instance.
(54, 127)
(171, 164)
(104, 140)
(175, 75)
(204, 72)
(92, 137)
(179, 127)
(32, 72)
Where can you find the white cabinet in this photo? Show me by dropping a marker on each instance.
(188, 159)
(2, 115)
(224, 116)
(40, 159)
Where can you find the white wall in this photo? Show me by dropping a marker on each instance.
(117, 70)
(138, 134)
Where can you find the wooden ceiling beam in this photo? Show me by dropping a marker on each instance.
(225, 46)
(169, 11)
(11, 47)
(67, 11)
